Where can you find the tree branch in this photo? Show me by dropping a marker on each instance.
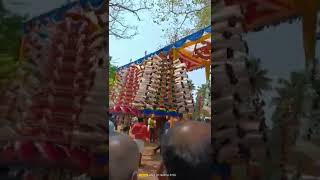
(134, 11)
(117, 16)
(180, 14)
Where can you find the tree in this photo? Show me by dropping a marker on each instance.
(182, 17)
(11, 32)
(200, 99)
(118, 9)
(112, 74)
(315, 112)
(292, 93)
(178, 17)
(10, 37)
(292, 106)
(258, 76)
(191, 85)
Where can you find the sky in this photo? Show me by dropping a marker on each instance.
(281, 52)
(149, 39)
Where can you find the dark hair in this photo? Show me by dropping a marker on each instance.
(99, 178)
(4, 170)
(185, 164)
(140, 119)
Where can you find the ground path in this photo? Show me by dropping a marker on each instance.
(150, 162)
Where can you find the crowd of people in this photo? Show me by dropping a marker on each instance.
(144, 129)
(185, 148)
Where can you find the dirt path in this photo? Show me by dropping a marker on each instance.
(150, 162)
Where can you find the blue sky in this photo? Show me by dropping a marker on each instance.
(150, 39)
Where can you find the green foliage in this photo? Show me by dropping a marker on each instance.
(293, 93)
(112, 73)
(178, 17)
(200, 99)
(10, 39)
(293, 103)
(182, 17)
(191, 85)
(203, 16)
(258, 76)
(10, 32)
(2, 10)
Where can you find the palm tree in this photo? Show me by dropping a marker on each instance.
(259, 82)
(190, 83)
(315, 111)
(258, 76)
(292, 101)
(296, 95)
(200, 99)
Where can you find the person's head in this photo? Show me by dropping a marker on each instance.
(123, 157)
(186, 151)
(140, 119)
(152, 115)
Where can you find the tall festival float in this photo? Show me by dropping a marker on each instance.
(238, 127)
(158, 84)
(53, 114)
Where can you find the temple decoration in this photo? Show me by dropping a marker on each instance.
(55, 111)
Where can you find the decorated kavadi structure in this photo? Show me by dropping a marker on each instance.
(238, 128)
(158, 83)
(56, 111)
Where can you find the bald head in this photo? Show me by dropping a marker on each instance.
(190, 133)
(124, 157)
(187, 151)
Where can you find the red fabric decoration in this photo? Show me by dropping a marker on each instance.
(26, 150)
(80, 158)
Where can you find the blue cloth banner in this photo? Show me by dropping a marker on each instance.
(155, 112)
(160, 113)
(222, 170)
(192, 37)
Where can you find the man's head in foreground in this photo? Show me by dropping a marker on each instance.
(124, 157)
(186, 151)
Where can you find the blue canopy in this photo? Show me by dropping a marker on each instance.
(192, 37)
(161, 113)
